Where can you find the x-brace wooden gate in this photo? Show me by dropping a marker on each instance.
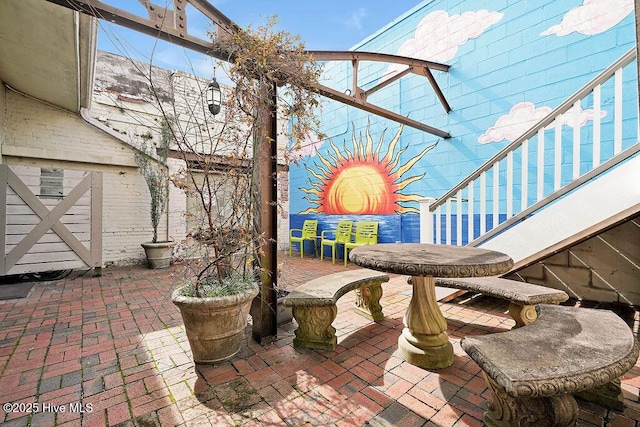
(51, 219)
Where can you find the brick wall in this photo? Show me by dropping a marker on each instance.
(35, 134)
(283, 209)
(43, 136)
(121, 104)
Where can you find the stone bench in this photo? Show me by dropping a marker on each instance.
(314, 304)
(534, 370)
(522, 296)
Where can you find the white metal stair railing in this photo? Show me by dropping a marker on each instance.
(557, 155)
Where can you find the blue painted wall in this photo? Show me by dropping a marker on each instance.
(510, 61)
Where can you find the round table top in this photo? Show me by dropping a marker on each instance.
(421, 259)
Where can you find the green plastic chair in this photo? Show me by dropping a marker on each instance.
(307, 232)
(342, 235)
(366, 234)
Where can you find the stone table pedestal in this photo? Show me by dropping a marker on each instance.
(424, 341)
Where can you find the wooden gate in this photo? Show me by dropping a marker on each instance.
(51, 219)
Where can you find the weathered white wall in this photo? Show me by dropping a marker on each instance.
(3, 109)
(40, 135)
(36, 134)
(283, 209)
(122, 102)
(177, 206)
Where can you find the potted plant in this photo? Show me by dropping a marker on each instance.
(219, 150)
(215, 299)
(219, 278)
(154, 170)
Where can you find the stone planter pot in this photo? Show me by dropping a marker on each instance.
(215, 326)
(159, 254)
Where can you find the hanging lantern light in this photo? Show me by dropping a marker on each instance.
(214, 95)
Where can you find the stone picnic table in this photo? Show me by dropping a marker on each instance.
(424, 341)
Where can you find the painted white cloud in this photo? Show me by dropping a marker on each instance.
(525, 115)
(510, 126)
(438, 35)
(592, 17)
(571, 119)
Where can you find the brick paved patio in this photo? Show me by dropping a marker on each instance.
(112, 351)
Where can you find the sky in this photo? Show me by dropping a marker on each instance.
(322, 25)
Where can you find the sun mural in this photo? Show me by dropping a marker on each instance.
(359, 181)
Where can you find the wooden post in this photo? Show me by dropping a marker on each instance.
(265, 320)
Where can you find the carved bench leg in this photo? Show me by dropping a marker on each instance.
(368, 301)
(314, 327)
(551, 411)
(522, 314)
(608, 395)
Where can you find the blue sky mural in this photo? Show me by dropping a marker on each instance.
(511, 64)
